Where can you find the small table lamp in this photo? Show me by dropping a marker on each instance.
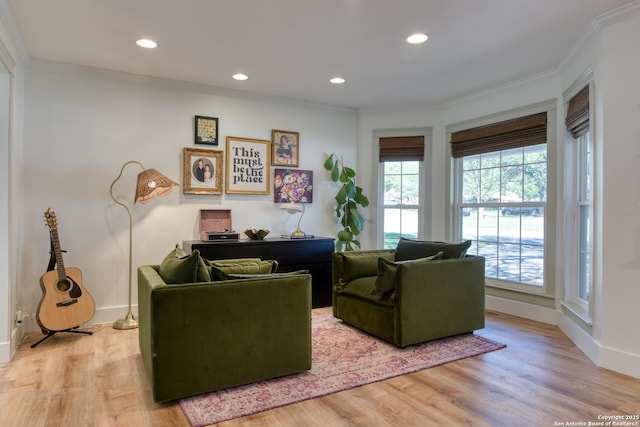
(293, 208)
(151, 184)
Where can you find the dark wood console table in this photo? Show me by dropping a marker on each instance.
(314, 255)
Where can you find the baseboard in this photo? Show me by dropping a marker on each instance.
(583, 340)
(6, 349)
(620, 361)
(5, 352)
(605, 357)
(521, 309)
(111, 314)
(102, 315)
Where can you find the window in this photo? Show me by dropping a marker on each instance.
(502, 211)
(584, 222)
(401, 201)
(579, 176)
(501, 197)
(401, 160)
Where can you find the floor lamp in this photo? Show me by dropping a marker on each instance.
(151, 184)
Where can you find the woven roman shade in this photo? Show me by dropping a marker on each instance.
(514, 133)
(577, 119)
(401, 148)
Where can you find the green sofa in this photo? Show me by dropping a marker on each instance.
(200, 337)
(425, 299)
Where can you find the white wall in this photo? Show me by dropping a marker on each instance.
(618, 90)
(83, 124)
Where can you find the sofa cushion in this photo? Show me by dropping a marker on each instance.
(362, 263)
(413, 249)
(221, 269)
(179, 267)
(361, 288)
(387, 272)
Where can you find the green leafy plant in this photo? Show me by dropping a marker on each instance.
(348, 198)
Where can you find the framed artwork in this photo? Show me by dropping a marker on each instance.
(202, 171)
(292, 186)
(206, 130)
(248, 165)
(285, 146)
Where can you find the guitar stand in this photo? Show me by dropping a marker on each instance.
(49, 334)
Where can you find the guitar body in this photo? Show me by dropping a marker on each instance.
(65, 304)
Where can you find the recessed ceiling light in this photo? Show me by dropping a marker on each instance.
(337, 80)
(147, 43)
(240, 76)
(417, 38)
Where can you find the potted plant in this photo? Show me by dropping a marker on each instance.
(348, 198)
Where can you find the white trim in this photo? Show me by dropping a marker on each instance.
(500, 88)
(569, 297)
(581, 338)
(12, 32)
(111, 314)
(5, 352)
(619, 361)
(619, 14)
(522, 309)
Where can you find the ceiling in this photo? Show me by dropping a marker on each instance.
(291, 48)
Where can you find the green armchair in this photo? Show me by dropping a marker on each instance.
(200, 337)
(410, 301)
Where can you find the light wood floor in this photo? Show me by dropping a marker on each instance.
(540, 379)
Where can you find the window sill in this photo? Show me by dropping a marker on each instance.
(579, 310)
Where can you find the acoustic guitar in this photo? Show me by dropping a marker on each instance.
(65, 303)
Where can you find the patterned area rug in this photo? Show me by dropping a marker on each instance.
(343, 358)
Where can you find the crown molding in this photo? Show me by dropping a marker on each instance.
(618, 14)
(8, 21)
(502, 87)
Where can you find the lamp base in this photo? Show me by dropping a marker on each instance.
(128, 322)
(298, 233)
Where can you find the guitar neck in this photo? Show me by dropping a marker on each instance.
(57, 251)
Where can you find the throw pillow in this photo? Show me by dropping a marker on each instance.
(179, 267)
(221, 269)
(362, 263)
(387, 272)
(412, 249)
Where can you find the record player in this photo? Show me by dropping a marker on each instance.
(215, 225)
(221, 235)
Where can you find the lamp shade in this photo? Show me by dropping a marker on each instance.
(291, 207)
(151, 184)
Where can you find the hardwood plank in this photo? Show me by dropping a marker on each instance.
(540, 378)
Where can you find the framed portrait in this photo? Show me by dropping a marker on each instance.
(248, 165)
(292, 186)
(285, 148)
(202, 171)
(206, 130)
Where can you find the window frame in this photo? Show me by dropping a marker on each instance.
(500, 240)
(401, 206)
(497, 287)
(424, 205)
(581, 310)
